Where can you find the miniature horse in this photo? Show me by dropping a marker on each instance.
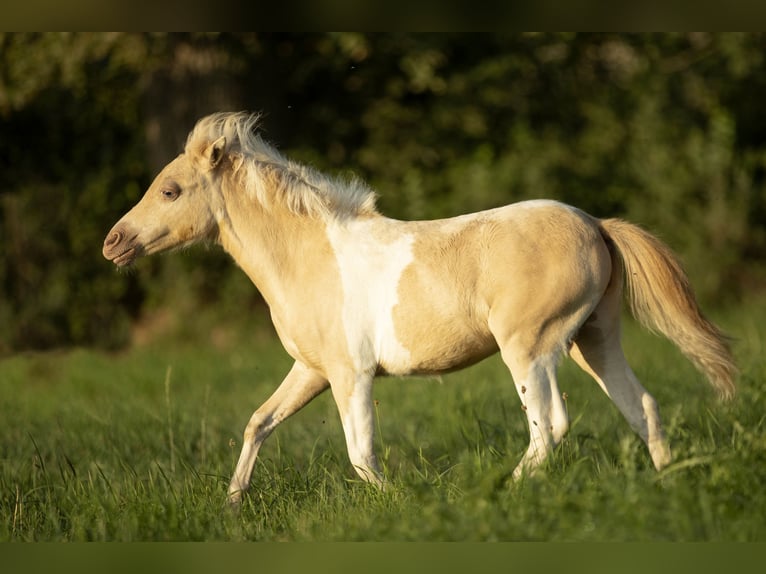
(354, 294)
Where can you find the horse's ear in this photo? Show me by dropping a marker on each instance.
(214, 152)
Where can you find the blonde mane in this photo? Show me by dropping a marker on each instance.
(269, 177)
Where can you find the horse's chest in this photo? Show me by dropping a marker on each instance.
(370, 272)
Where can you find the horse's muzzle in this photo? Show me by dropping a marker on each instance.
(119, 248)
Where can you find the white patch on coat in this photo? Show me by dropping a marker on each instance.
(371, 261)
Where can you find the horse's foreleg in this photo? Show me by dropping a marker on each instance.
(298, 388)
(353, 396)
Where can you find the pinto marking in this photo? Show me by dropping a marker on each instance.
(371, 264)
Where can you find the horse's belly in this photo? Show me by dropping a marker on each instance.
(443, 358)
(431, 346)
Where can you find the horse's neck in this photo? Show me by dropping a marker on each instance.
(271, 246)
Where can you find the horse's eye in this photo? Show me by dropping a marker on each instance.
(171, 192)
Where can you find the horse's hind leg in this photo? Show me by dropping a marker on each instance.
(535, 380)
(598, 351)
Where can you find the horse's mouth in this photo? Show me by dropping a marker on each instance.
(126, 257)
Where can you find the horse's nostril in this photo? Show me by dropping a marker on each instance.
(114, 239)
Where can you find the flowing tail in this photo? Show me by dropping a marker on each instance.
(662, 300)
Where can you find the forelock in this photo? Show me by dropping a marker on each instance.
(239, 129)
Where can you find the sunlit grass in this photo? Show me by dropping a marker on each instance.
(140, 446)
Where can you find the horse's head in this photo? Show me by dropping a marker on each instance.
(177, 209)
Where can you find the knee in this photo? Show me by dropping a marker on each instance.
(258, 428)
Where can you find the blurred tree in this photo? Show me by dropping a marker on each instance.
(68, 113)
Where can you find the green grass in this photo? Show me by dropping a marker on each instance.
(140, 446)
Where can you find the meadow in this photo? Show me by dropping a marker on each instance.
(140, 445)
